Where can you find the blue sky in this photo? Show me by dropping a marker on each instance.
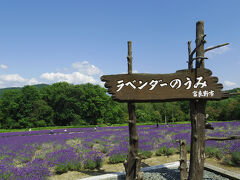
(78, 41)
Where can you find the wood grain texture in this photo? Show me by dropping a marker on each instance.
(169, 87)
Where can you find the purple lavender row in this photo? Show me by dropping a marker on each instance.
(33, 156)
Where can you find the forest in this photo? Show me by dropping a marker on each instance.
(64, 104)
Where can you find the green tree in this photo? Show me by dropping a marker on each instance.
(42, 114)
(9, 109)
(29, 95)
(61, 97)
(97, 107)
(156, 117)
(236, 111)
(143, 116)
(81, 104)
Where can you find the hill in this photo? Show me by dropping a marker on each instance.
(39, 86)
(234, 90)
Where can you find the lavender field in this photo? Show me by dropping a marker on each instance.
(40, 154)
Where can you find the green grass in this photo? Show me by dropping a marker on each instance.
(46, 128)
(85, 126)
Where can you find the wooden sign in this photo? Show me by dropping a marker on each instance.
(182, 85)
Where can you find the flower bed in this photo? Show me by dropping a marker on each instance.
(37, 155)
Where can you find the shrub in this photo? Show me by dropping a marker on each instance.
(6, 174)
(235, 158)
(117, 158)
(93, 159)
(90, 164)
(227, 160)
(61, 168)
(146, 154)
(74, 166)
(170, 151)
(104, 150)
(212, 152)
(219, 155)
(161, 151)
(70, 166)
(98, 162)
(166, 151)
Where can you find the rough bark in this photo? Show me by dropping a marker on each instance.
(197, 114)
(133, 163)
(183, 159)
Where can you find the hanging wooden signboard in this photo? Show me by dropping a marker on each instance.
(182, 85)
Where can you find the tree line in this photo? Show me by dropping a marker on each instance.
(63, 104)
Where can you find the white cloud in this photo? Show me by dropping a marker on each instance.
(85, 68)
(230, 84)
(83, 72)
(3, 66)
(217, 51)
(12, 78)
(73, 78)
(80, 72)
(15, 80)
(33, 81)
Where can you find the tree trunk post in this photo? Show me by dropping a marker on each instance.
(132, 165)
(183, 159)
(197, 115)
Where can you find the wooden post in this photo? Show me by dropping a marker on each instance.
(190, 65)
(183, 159)
(197, 115)
(132, 165)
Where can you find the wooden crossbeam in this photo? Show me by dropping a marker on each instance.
(214, 47)
(222, 138)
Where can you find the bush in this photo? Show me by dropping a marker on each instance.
(170, 151)
(146, 154)
(235, 158)
(6, 174)
(99, 162)
(161, 151)
(61, 168)
(70, 166)
(90, 164)
(210, 152)
(219, 155)
(227, 160)
(74, 166)
(93, 159)
(117, 158)
(213, 152)
(166, 151)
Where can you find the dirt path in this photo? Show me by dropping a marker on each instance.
(155, 160)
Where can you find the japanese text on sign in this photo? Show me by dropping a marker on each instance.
(182, 85)
(175, 84)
